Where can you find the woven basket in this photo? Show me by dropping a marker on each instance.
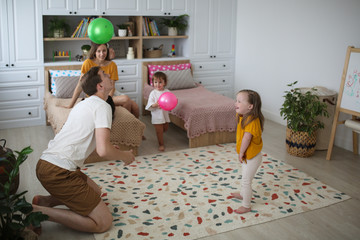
(300, 144)
(153, 53)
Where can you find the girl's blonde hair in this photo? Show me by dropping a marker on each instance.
(159, 75)
(255, 100)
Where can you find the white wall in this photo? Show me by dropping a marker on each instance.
(280, 41)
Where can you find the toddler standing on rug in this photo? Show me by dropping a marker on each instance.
(159, 117)
(248, 142)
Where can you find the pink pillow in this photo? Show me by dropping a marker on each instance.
(156, 68)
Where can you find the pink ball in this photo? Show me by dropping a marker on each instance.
(167, 101)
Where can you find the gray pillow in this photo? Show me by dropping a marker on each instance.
(65, 86)
(181, 79)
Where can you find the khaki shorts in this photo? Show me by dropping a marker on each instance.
(70, 187)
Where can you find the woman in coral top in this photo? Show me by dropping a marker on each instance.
(99, 55)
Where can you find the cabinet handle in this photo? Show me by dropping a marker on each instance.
(12, 65)
(122, 71)
(122, 88)
(28, 76)
(200, 82)
(211, 56)
(223, 80)
(224, 65)
(74, 12)
(103, 12)
(70, 12)
(214, 56)
(7, 65)
(29, 113)
(29, 95)
(200, 66)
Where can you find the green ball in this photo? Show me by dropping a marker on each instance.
(100, 30)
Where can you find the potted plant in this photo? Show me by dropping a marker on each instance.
(85, 49)
(122, 30)
(15, 212)
(175, 24)
(58, 27)
(301, 110)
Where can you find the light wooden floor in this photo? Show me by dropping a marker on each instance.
(339, 221)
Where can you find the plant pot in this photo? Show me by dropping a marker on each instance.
(172, 31)
(59, 33)
(300, 144)
(122, 32)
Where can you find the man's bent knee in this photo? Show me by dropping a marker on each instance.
(102, 217)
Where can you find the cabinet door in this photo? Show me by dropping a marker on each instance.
(165, 7)
(201, 28)
(87, 7)
(223, 33)
(24, 28)
(177, 7)
(4, 40)
(122, 7)
(57, 7)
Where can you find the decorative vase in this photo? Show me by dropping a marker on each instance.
(122, 32)
(172, 31)
(130, 54)
(300, 144)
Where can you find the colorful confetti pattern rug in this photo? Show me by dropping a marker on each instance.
(186, 194)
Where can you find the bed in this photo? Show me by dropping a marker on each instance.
(126, 130)
(207, 117)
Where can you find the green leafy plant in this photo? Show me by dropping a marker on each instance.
(16, 212)
(302, 109)
(179, 22)
(57, 25)
(86, 47)
(122, 26)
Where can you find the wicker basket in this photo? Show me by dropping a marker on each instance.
(153, 53)
(300, 144)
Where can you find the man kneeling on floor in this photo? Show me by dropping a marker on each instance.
(86, 129)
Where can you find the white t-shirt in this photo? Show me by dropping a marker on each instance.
(76, 140)
(158, 116)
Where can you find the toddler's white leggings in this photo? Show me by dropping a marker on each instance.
(248, 172)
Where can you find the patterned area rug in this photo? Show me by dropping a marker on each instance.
(186, 194)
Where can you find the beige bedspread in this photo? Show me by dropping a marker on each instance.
(202, 111)
(126, 129)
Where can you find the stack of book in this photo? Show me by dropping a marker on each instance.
(150, 27)
(81, 29)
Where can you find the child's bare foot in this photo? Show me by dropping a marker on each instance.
(242, 210)
(161, 148)
(237, 195)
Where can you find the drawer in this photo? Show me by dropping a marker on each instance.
(216, 81)
(10, 95)
(212, 66)
(19, 113)
(126, 87)
(127, 71)
(19, 77)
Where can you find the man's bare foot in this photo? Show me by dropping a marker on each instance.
(161, 148)
(46, 201)
(242, 210)
(237, 195)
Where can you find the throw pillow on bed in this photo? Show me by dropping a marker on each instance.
(179, 79)
(175, 67)
(65, 86)
(61, 73)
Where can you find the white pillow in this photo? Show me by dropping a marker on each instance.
(61, 73)
(180, 79)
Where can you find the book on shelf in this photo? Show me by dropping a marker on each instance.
(150, 27)
(77, 28)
